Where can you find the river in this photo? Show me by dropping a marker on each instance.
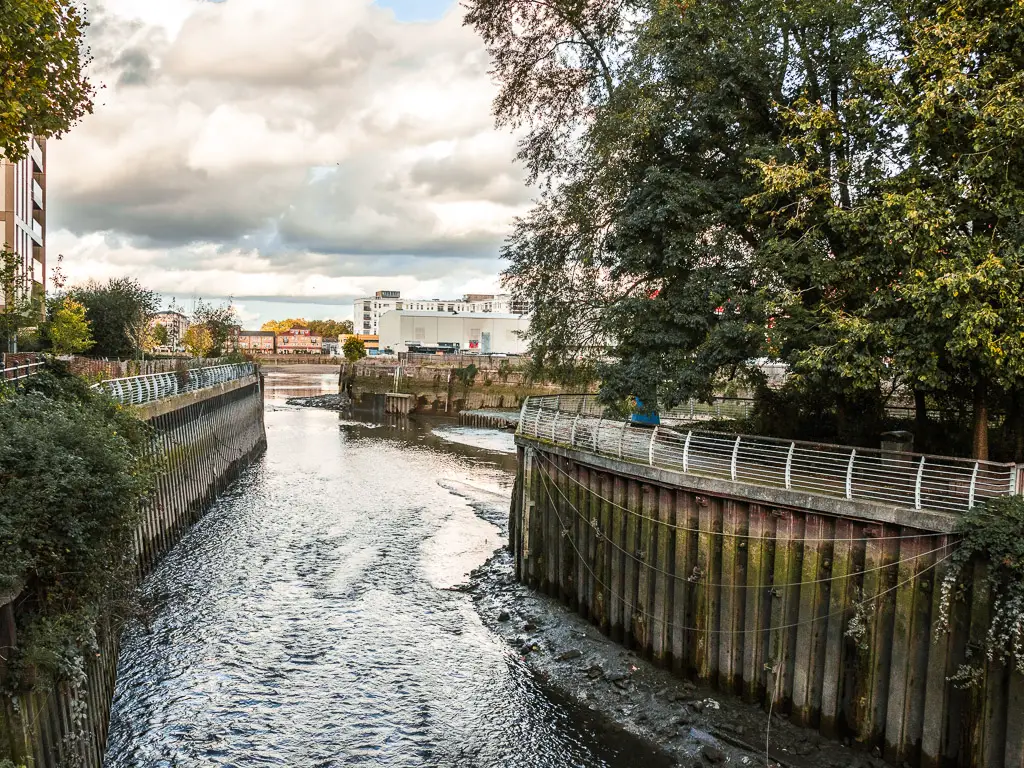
(309, 618)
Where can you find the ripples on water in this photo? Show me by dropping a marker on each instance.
(305, 621)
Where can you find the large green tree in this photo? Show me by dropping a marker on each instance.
(115, 311)
(43, 87)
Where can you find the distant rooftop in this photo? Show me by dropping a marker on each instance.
(470, 315)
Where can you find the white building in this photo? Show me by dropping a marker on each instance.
(481, 332)
(176, 325)
(368, 312)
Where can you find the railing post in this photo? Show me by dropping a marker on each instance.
(554, 425)
(558, 402)
(735, 456)
(849, 474)
(917, 484)
(522, 415)
(536, 422)
(974, 483)
(597, 433)
(572, 433)
(789, 466)
(622, 435)
(686, 452)
(650, 450)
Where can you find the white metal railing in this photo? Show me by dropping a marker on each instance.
(22, 371)
(137, 390)
(911, 480)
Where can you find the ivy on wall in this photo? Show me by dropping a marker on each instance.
(993, 534)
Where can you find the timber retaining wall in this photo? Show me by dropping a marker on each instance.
(825, 608)
(202, 442)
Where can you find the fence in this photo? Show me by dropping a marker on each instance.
(20, 371)
(137, 390)
(912, 480)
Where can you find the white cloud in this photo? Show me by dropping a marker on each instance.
(300, 149)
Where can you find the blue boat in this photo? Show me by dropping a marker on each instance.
(639, 417)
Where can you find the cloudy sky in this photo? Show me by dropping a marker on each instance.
(293, 154)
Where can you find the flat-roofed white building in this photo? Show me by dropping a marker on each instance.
(367, 312)
(482, 332)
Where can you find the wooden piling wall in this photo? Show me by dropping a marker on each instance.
(201, 443)
(832, 616)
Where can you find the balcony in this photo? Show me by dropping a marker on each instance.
(37, 232)
(36, 153)
(37, 194)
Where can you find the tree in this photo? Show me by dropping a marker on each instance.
(354, 349)
(221, 322)
(68, 329)
(283, 326)
(331, 328)
(161, 336)
(16, 309)
(957, 209)
(42, 61)
(198, 341)
(115, 312)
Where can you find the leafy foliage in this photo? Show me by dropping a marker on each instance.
(161, 336)
(198, 341)
(834, 184)
(17, 310)
(324, 328)
(219, 321)
(42, 61)
(354, 349)
(68, 329)
(992, 534)
(116, 312)
(283, 326)
(73, 474)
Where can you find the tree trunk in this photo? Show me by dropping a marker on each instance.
(981, 421)
(920, 420)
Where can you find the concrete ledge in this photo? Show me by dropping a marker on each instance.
(925, 520)
(160, 407)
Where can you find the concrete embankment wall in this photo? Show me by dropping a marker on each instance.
(824, 608)
(203, 440)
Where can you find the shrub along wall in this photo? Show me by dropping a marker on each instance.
(90, 496)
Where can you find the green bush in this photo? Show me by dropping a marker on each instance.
(992, 534)
(73, 476)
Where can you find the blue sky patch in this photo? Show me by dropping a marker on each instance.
(417, 10)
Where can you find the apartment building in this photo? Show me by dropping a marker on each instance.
(255, 342)
(176, 325)
(367, 312)
(23, 214)
(299, 341)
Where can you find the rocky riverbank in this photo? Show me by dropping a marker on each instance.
(697, 727)
(327, 402)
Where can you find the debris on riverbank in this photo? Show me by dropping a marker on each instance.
(327, 402)
(697, 727)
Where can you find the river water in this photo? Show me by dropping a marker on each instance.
(309, 620)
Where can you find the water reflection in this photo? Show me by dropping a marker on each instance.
(305, 621)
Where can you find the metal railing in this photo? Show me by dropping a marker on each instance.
(138, 390)
(912, 480)
(22, 371)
